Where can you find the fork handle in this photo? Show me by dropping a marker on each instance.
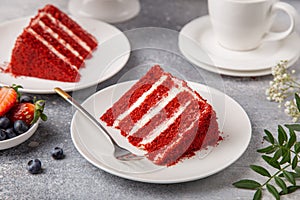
(74, 103)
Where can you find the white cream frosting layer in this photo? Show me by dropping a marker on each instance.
(175, 141)
(67, 30)
(140, 100)
(177, 88)
(59, 39)
(163, 126)
(51, 48)
(154, 110)
(172, 93)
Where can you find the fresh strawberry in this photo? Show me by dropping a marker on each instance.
(8, 98)
(28, 112)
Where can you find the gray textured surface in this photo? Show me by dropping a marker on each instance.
(75, 178)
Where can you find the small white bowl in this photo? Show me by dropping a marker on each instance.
(6, 144)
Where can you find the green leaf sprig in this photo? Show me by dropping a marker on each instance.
(282, 154)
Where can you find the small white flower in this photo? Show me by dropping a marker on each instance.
(282, 88)
(287, 111)
(295, 119)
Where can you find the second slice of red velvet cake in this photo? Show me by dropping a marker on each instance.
(162, 115)
(52, 46)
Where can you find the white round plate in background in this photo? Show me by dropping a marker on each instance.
(109, 58)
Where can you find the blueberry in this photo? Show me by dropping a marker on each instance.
(26, 99)
(4, 122)
(20, 127)
(2, 134)
(57, 153)
(10, 133)
(34, 166)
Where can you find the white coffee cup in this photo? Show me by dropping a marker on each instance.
(245, 24)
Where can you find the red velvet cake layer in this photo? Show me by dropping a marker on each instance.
(163, 116)
(137, 90)
(71, 24)
(151, 100)
(74, 60)
(35, 60)
(83, 52)
(165, 113)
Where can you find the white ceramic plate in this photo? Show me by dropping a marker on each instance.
(109, 58)
(9, 143)
(232, 119)
(197, 39)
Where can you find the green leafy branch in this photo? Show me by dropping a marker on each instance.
(281, 154)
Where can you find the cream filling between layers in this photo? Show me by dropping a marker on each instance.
(163, 126)
(140, 100)
(162, 154)
(50, 47)
(60, 40)
(162, 104)
(154, 111)
(70, 32)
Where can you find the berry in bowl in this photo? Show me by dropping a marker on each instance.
(19, 116)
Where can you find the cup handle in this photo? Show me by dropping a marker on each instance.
(291, 12)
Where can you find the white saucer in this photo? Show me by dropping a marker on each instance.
(234, 73)
(197, 39)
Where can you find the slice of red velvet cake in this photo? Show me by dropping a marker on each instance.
(162, 115)
(52, 46)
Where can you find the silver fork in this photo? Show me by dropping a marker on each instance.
(119, 152)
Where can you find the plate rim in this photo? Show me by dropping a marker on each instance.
(70, 87)
(139, 177)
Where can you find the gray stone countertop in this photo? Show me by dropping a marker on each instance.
(75, 178)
